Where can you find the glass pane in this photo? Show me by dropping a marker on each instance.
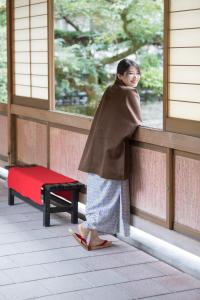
(40, 81)
(3, 53)
(41, 93)
(38, 9)
(184, 110)
(91, 39)
(21, 90)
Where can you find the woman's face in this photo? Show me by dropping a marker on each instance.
(131, 77)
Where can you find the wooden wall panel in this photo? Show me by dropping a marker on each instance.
(148, 181)
(66, 148)
(3, 135)
(187, 191)
(32, 142)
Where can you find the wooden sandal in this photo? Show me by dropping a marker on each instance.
(81, 240)
(104, 244)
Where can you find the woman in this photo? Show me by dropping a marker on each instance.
(106, 159)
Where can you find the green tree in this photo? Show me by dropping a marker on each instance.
(3, 53)
(100, 33)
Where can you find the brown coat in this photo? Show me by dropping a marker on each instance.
(115, 121)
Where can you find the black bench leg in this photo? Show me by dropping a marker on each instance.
(74, 214)
(10, 197)
(46, 208)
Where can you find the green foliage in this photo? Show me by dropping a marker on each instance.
(97, 34)
(3, 53)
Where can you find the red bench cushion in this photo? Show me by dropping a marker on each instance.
(28, 181)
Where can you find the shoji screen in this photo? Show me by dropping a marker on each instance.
(184, 69)
(30, 49)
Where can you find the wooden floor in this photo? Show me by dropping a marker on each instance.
(47, 263)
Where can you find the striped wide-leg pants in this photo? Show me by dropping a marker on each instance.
(108, 205)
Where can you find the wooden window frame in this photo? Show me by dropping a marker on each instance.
(182, 126)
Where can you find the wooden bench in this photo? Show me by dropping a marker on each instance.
(45, 189)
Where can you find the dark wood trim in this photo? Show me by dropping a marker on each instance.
(148, 216)
(148, 146)
(48, 146)
(51, 66)
(186, 154)
(69, 128)
(11, 119)
(3, 108)
(187, 231)
(183, 126)
(54, 117)
(31, 102)
(31, 120)
(169, 140)
(166, 61)
(169, 188)
(3, 158)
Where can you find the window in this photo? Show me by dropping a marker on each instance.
(30, 49)
(3, 53)
(90, 39)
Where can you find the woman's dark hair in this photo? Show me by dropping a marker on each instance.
(125, 64)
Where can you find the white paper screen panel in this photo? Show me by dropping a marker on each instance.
(18, 3)
(185, 19)
(31, 48)
(184, 60)
(184, 74)
(21, 68)
(41, 93)
(40, 81)
(21, 12)
(185, 38)
(21, 23)
(177, 5)
(185, 56)
(185, 92)
(40, 69)
(39, 33)
(39, 9)
(39, 45)
(22, 57)
(22, 79)
(184, 110)
(22, 35)
(22, 90)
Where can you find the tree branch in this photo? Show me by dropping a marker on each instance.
(110, 60)
(67, 20)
